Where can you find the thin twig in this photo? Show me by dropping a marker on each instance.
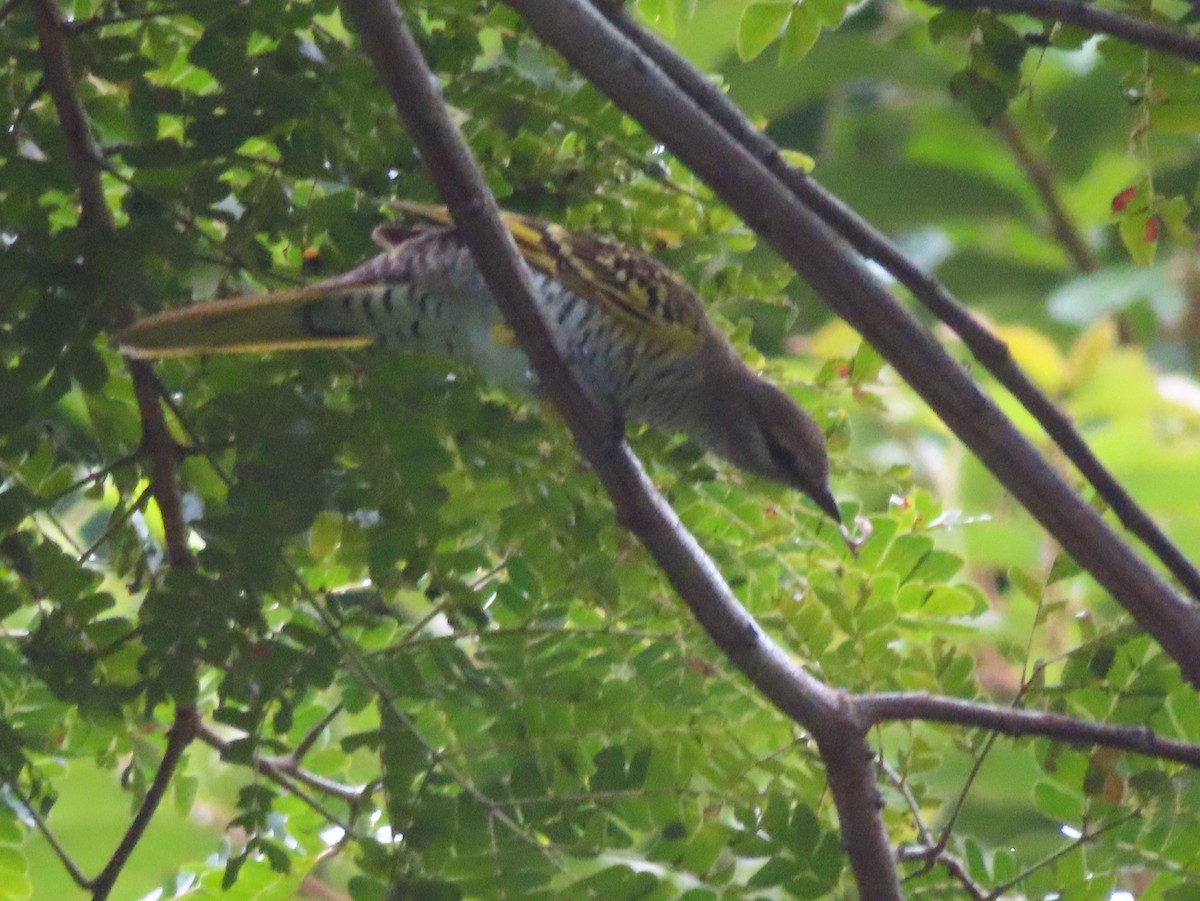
(1039, 176)
(287, 767)
(79, 26)
(949, 821)
(999, 891)
(72, 868)
(901, 785)
(1094, 19)
(116, 522)
(954, 866)
(27, 104)
(310, 737)
(85, 159)
(95, 476)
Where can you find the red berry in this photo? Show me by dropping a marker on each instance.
(1151, 230)
(1122, 199)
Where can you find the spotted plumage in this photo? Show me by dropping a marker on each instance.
(632, 330)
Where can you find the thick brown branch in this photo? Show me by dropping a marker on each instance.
(1090, 17)
(907, 706)
(414, 90)
(992, 353)
(183, 730)
(81, 149)
(617, 68)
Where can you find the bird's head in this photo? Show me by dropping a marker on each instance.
(757, 427)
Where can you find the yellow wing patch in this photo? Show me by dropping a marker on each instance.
(627, 284)
(502, 336)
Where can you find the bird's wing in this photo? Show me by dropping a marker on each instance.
(630, 286)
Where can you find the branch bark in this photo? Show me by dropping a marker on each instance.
(909, 706)
(288, 766)
(414, 89)
(1088, 16)
(990, 351)
(614, 65)
(183, 730)
(158, 445)
(1038, 174)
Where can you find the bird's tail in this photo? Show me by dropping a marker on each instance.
(281, 320)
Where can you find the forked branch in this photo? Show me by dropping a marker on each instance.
(847, 756)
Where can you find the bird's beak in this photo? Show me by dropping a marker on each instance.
(824, 499)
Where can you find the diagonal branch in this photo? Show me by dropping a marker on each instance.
(1014, 721)
(39, 822)
(183, 730)
(992, 353)
(414, 89)
(1088, 835)
(614, 65)
(1038, 174)
(1089, 16)
(287, 771)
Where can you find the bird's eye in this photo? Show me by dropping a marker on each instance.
(783, 458)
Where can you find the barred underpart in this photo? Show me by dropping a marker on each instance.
(425, 295)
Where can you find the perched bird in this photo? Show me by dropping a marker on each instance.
(633, 331)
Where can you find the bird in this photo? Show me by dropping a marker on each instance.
(630, 328)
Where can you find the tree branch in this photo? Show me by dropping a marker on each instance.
(1039, 177)
(158, 445)
(879, 708)
(287, 768)
(183, 730)
(72, 868)
(1086, 836)
(614, 65)
(991, 353)
(413, 88)
(1088, 16)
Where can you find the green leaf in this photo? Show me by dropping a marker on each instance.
(760, 26)
(1057, 803)
(803, 29)
(1138, 232)
(665, 15)
(1175, 118)
(946, 600)
(985, 98)
(1029, 586)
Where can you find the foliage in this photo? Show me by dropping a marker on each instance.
(411, 576)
